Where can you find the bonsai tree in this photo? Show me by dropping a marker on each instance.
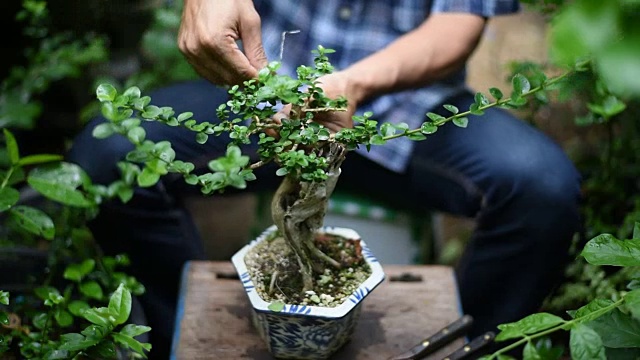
(307, 154)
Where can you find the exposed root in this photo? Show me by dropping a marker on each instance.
(298, 210)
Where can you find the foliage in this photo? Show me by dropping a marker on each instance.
(54, 57)
(602, 329)
(40, 323)
(248, 116)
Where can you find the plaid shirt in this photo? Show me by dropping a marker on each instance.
(356, 29)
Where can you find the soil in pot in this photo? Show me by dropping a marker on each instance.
(276, 275)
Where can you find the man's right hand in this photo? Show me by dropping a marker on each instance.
(207, 37)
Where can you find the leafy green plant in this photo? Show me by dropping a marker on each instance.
(52, 58)
(60, 314)
(602, 329)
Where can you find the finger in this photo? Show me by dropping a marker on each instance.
(252, 41)
(236, 65)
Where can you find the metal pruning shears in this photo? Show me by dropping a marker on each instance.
(446, 335)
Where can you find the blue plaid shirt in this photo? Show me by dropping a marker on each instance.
(356, 29)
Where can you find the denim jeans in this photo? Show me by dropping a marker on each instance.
(515, 181)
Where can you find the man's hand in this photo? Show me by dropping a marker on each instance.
(334, 85)
(207, 37)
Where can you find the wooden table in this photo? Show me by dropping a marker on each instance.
(213, 320)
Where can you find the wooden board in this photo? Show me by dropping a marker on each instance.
(213, 320)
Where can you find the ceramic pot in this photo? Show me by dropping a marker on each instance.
(301, 331)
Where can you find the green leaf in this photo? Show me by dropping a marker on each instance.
(106, 92)
(75, 272)
(632, 301)
(34, 221)
(496, 93)
(387, 129)
(40, 320)
(75, 342)
(59, 182)
(282, 172)
(530, 352)
(120, 304)
(428, 128)
(133, 92)
(63, 318)
(605, 249)
(136, 135)
(12, 146)
(185, 116)
(131, 343)
(416, 136)
(636, 231)
(39, 159)
(96, 317)
(461, 122)
(589, 312)
(201, 138)
(435, 117)
(451, 108)
(481, 99)
(4, 320)
(103, 131)
(377, 140)
(520, 84)
(91, 289)
(147, 177)
(276, 306)
(585, 344)
(4, 297)
(77, 307)
(8, 198)
(133, 330)
(151, 112)
(528, 325)
(617, 329)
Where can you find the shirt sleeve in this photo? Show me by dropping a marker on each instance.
(486, 8)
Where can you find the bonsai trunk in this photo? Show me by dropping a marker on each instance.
(298, 209)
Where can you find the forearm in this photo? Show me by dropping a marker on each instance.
(437, 48)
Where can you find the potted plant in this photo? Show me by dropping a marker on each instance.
(311, 258)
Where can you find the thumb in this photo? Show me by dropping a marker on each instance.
(252, 42)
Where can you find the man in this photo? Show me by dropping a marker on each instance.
(400, 60)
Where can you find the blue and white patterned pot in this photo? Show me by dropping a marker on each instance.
(307, 332)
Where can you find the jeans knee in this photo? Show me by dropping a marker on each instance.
(543, 189)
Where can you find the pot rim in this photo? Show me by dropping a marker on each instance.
(375, 279)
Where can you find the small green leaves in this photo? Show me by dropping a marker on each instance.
(520, 85)
(75, 272)
(437, 118)
(428, 128)
(91, 289)
(461, 122)
(148, 177)
(496, 93)
(454, 110)
(4, 298)
(106, 92)
(276, 306)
